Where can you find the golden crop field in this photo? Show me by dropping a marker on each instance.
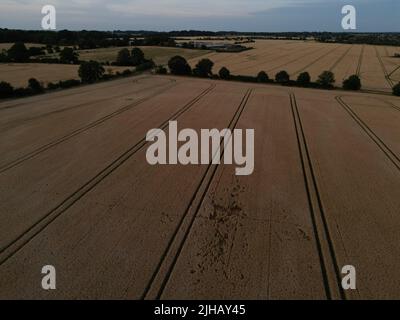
(18, 74)
(160, 55)
(77, 192)
(374, 64)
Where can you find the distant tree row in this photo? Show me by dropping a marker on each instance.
(82, 39)
(133, 58)
(101, 39)
(387, 39)
(8, 91)
(20, 53)
(89, 72)
(68, 55)
(179, 66)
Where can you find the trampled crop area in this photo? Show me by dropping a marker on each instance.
(77, 192)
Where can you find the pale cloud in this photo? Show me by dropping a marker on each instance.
(168, 8)
(240, 15)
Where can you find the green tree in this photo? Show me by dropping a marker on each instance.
(204, 68)
(90, 71)
(352, 83)
(145, 66)
(161, 70)
(137, 57)
(326, 79)
(4, 56)
(224, 73)
(262, 77)
(69, 56)
(6, 90)
(124, 58)
(304, 79)
(282, 77)
(396, 90)
(179, 66)
(18, 52)
(35, 86)
(35, 51)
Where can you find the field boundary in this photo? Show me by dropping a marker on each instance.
(374, 137)
(85, 104)
(190, 214)
(60, 93)
(7, 251)
(325, 247)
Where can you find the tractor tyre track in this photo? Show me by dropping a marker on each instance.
(360, 60)
(325, 247)
(68, 92)
(76, 132)
(341, 58)
(31, 232)
(316, 60)
(80, 105)
(190, 214)
(387, 77)
(294, 60)
(374, 137)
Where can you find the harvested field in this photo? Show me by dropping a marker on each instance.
(76, 191)
(18, 74)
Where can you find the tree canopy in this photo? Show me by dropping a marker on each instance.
(69, 56)
(224, 73)
(179, 66)
(282, 77)
(396, 89)
(352, 83)
(304, 79)
(18, 52)
(90, 71)
(204, 68)
(326, 79)
(262, 77)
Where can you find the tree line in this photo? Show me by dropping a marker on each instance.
(19, 53)
(204, 68)
(89, 72)
(101, 39)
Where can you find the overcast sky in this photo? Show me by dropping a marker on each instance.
(213, 15)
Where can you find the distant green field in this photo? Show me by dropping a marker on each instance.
(160, 55)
